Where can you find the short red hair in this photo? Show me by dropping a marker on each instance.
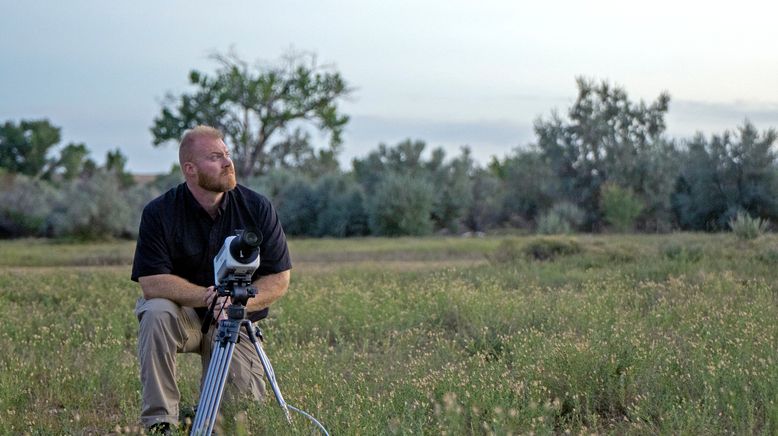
(190, 138)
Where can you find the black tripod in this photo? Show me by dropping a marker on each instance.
(227, 336)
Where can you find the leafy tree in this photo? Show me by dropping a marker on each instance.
(619, 206)
(24, 147)
(529, 186)
(74, 161)
(115, 163)
(726, 174)
(255, 106)
(295, 152)
(606, 138)
(453, 190)
(487, 198)
(404, 158)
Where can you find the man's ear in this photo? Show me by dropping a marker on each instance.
(189, 169)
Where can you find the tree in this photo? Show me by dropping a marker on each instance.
(115, 163)
(529, 186)
(24, 147)
(487, 198)
(619, 206)
(607, 138)
(404, 158)
(454, 189)
(74, 161)
(726, 174)
(254, 106)
(295, 152)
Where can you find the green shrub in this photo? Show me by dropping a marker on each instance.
(682, 253)
(98, 208)
(341, 210)
(25, 204)
(551, 248)
(297, 207)
(508, 251)
(563, 218)
(747, 228)
(401, 206)
(551, 223)
(547, 248)
(769, 257)
(620, 207)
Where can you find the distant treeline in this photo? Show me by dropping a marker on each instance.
(607, 165)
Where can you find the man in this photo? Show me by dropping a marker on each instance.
(180, 233)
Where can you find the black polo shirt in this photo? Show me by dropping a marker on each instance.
(177, 236)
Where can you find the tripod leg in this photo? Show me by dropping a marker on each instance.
(208, 386)
(222, 381)
(269, 373)
(208, 407)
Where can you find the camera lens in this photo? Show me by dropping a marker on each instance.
(245, 247)
(251, 239)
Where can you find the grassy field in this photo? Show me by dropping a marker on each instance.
(671, 334)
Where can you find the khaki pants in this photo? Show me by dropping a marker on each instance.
(167, 329)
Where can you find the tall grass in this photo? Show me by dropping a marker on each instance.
(745, 227)
(625, 335)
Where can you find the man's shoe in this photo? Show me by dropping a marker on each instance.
(161, 428)
(186, 418)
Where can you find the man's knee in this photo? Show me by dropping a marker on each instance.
(156, 309)
(159, 317)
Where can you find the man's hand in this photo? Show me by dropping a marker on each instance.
(222, 303)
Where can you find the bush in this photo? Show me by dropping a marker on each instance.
(25, 205)
(551, 248)
(341, 210)
(507, 252)
(747, 228)
(620, 207)
(333, 206)
(682, 253)
(296, 205)
(551, 223)
(563, 218)
(98, 208)
(769, 256)
(401, 206)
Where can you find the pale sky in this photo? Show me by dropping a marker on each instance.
(451, 72)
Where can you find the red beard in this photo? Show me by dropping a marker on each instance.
(221, 183)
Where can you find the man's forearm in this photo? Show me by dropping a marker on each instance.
(173, 288)
(269, 289)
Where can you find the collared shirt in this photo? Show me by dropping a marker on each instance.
(177, 236)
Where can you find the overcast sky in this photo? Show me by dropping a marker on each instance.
(448, 72)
